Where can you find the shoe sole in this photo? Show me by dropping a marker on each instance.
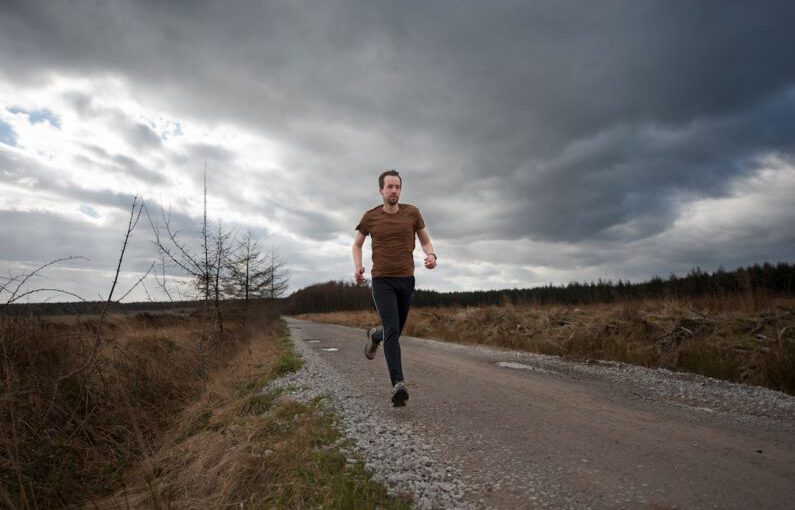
(399, 398)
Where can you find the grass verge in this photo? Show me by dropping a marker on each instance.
(242, 447)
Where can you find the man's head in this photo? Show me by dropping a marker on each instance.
(389, 184)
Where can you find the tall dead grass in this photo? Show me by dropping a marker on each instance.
(240, 447)
(65, 439)
(742, 338)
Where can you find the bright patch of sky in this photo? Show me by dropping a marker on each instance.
(89, 211)
(37, 116)
(98, 137)
(7, 135)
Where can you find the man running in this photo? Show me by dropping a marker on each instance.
(392, 227)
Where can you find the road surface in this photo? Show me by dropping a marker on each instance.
(534, 431)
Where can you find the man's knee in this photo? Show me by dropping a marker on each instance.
(391, 328)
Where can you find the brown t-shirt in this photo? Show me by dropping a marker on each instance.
(393, 238)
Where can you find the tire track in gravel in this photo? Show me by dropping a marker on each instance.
(532, 431)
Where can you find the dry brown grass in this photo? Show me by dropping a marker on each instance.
(744, 338)
(64, 440)
(140, 427)
(239, 447)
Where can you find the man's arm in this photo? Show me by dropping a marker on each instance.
(427, 247)
(358, 272)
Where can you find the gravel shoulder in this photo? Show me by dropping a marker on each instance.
(487, 428)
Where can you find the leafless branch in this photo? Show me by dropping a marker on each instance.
(135, 214)
(181, 256)
(136, 283)
(134, 217)
(34, 291)
(23, 279)
(148, 295)
(162, 283)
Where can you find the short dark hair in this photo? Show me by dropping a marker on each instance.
(385, 174)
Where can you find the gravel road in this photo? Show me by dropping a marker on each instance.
(488, 428)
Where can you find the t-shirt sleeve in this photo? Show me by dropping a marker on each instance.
(419, 222)
(363, 226)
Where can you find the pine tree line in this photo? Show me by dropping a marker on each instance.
(774, 280)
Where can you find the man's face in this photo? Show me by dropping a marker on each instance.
(391, 190)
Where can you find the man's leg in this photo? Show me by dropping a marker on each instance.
(386, 301)
(404, 294)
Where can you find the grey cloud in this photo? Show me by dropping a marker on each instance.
(80, 101)
(56, 237)
(138, 135)
(30, 174)
(117, 163)
(623, 183)
(539, 66)
(513, 81)
(142, 136)
(511, 120)
(131, 166)
(314, 224)
(213, 154)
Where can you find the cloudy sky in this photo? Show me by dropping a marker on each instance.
(544, 141)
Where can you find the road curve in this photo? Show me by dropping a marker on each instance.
(531, 431)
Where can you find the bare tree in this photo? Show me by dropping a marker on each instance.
(203, 268)
(222, 248)
(278, 279)
(245, 269)
(255, 274)
(248, 274)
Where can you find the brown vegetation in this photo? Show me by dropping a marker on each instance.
(140, 427)
(68, 429)
(239, 447)
(742, 338)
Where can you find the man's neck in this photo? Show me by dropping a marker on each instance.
(391, 209)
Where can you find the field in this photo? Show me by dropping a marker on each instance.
(137, 412)
(741, 338)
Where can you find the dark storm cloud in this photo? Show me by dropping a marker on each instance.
(562, 122)
(561, 106)
(620, 185)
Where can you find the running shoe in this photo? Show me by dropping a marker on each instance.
(399, 394)
(371, 346)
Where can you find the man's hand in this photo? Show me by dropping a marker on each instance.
(358, 275)
(430, 261)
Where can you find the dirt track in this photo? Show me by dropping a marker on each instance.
(537, 432)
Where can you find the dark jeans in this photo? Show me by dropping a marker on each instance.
(392, 296)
